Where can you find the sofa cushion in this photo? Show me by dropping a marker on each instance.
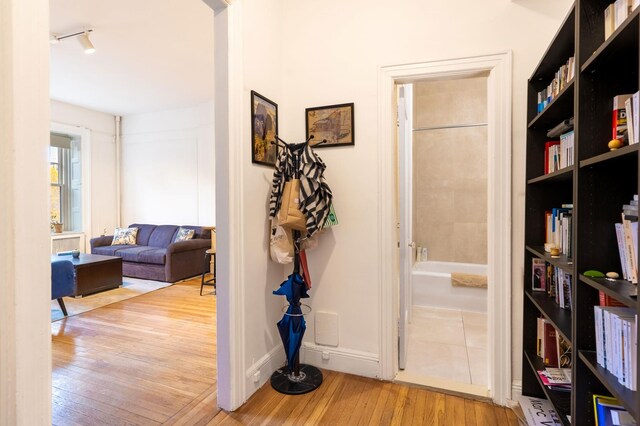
(132, 254)
(144, 232)
(199, 232)
(162, 236)
(124, 236)
(109, 250)
(154, 255)
(184, 234)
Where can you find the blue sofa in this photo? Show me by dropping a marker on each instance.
(155, 255)
(62, 281)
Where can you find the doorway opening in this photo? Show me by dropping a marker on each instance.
(443, 137)
(396, 241)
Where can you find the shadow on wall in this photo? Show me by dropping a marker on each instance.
(550, 8)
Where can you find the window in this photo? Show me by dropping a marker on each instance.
(66, 182)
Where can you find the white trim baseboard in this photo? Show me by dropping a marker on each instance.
(264, 367)
(340, 359)
(499, 67)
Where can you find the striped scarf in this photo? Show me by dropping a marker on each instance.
(315, 194)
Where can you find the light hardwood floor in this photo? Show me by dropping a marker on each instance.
(151, 360)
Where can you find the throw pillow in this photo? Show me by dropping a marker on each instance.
(124, 236)
(184, 234)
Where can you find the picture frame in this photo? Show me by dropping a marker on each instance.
(264, 128)
(333, 123)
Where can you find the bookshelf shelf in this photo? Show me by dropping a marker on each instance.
(556, 110)
(618, 154)
(597, 186)
(625, 396)
(624, 38)
(558, 317)
(565, 174)
(563, 262)
(620, 290)
(560, 400)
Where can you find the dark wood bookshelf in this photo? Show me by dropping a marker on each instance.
(563, 262)
(625, 151)
(624, 38)
(597, 186)
(561, 400)
(620, 290)
(555, 111)
(558, 317)
(626, 397)
(560, 175)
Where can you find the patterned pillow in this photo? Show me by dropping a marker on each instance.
(184, 234)
(124, 236)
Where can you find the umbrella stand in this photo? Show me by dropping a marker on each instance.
(295, 378)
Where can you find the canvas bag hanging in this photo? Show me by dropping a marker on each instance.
(290, 215)
(281, 244)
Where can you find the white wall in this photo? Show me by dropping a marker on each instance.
(104, 213)
(167, 171)
(25, 270)
(335, 59)
(263, 67)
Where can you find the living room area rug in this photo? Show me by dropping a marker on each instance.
(131, 287)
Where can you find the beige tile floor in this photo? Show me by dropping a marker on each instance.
(448, 344)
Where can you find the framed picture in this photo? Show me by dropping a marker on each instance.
(264, 128)
(333, 123)
(538, 274)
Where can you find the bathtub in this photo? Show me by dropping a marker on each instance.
(431, 286)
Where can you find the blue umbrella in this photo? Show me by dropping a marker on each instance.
(292, 325)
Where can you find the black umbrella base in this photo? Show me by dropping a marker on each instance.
(283, 381)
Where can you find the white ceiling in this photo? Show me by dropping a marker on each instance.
(151, 55)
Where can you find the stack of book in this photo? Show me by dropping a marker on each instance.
(616, 13)
(627, 236)
(558, 154)
(561, 79)
(551, 346)
(624, 118)
(616, 342)
(608, 411)
(556, 378)
(558, 225)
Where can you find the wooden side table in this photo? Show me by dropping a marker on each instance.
(208, 255)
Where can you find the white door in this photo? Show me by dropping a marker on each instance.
(405, 148)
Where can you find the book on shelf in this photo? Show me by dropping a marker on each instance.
(635, 115)
(629, 113)
(619, 118)
(551, 163)
(561, 79)
(609, 20)
(548, 344)
(609, 412)
(538, 274)
(556, 378)
(616, 342)
(558, 226)
(622, 9)
(563, 127)
(538, 411)
(627, 239)
(606, 300)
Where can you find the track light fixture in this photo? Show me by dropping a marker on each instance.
(83, 39)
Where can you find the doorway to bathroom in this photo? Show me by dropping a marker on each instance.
(442, 134)
(397, 125)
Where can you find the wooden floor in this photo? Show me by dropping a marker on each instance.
(151, 360)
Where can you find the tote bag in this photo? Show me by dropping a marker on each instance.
(290, 216)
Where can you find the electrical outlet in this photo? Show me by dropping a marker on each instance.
(256, 376)
(325, 355)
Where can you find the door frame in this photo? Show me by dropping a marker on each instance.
(499, 66)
